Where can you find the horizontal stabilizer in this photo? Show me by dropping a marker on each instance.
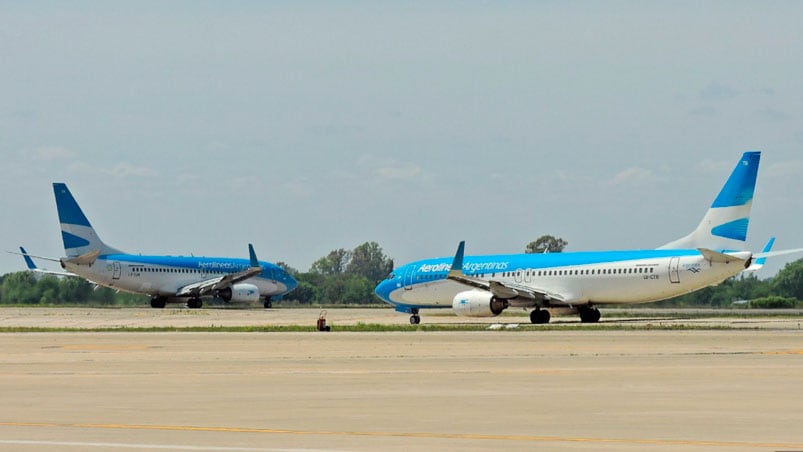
(85, 259)
(52, 259)
(714, 256)
(778, 253)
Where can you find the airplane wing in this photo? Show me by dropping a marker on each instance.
(32, 267)
(211, 285)
(532, 296)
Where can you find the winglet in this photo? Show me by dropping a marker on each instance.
(758, 262)
(28, 260)
(457, 263)
(253, 256)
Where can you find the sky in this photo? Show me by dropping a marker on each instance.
(303, 127)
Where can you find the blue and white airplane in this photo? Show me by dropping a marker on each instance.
(167, 279)
(484, 286)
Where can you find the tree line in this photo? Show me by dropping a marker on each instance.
(348, 277)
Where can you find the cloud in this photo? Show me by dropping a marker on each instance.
(298, 188)
(123, 169)
(706, 111)
(389, 169)
(791, 168)
(708, 166)
(49, 153)
(400, 173)
(715, 92)
(771, 114)
(632, 176)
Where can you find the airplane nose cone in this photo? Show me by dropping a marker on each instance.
(383, 289)
(291, 283)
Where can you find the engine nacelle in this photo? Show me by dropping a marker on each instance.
(478, 303)
(240, 293)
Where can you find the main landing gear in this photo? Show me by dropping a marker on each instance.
(415, 319)
(194, 303)
(539, 316)
(158, 302)
(589, 314)
(268, 303)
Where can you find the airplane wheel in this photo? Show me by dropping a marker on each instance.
(194, 303)
(590, 315)
(158, 302)
(539, 316)
(268, 304)
(415, 320)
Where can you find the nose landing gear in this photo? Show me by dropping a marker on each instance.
(415, 319)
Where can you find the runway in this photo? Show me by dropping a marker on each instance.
(486, 390)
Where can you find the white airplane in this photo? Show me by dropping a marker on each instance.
(167, 279)
(484, 286)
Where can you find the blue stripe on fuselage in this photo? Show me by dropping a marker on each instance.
(210, 264)
(511, 262)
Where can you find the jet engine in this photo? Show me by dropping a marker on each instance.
(240, 293)
(478, 303)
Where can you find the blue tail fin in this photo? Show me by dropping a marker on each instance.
(724, 226)
(77, 234)
(28, 261)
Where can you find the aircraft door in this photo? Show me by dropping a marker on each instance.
(116, 270)
(407, 279)
(674, 272)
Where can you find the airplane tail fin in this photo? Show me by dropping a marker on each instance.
(78, 235)
(724, 226)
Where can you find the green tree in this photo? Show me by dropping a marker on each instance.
(308, 290)
(789, 281)
(773, 302)
(284, 266)
(333, 263)
(547, 243)
(21, 288)
(369, 261)
(75, 290)
(357, 290)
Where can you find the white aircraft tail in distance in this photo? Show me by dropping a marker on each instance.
(166, 279)
(484, 286)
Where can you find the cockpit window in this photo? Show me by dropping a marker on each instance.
(391, 276)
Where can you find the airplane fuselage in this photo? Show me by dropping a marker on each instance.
(581, 278)
(165, 275)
